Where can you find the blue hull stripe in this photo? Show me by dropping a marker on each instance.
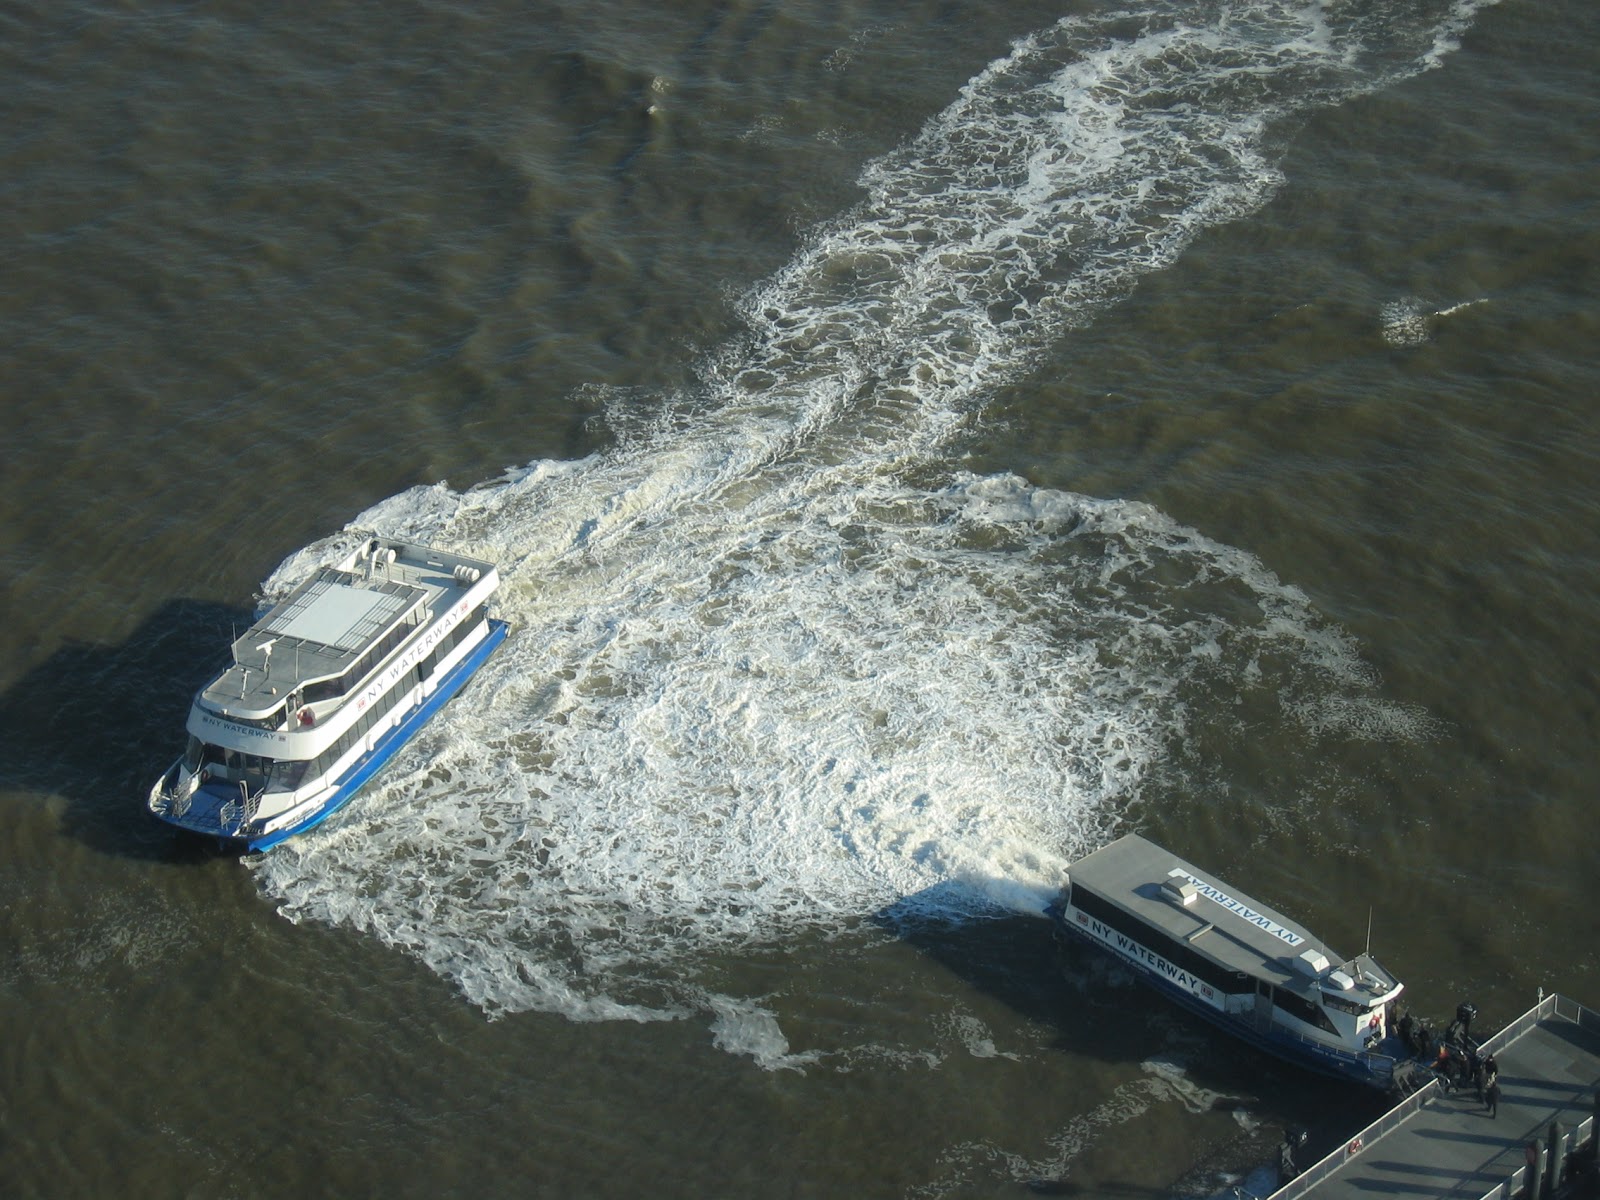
(391, 742)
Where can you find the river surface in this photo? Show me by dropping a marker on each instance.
(921, 442)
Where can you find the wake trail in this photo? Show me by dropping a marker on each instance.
(761, 679)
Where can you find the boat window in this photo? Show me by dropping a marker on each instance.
(323, 689)
(376, 711)
(191, 755)
(456, 636)
(286, 775)
(252, 769)
(1303, 1009)
(355, 676)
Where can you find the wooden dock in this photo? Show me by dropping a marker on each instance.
(1438, 1143)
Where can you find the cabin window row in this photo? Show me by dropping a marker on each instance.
(256, 771)
(356, 674)
(1179, 954)
(1305, 1010)
(380, 708)
(385, 703)
(1188, 959)
(454, 638)
(1343, 1005)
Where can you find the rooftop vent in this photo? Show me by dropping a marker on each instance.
(1311, 963)
(1179, 891)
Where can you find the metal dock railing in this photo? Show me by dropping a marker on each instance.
(1433, 1144)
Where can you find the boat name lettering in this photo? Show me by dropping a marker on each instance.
(1217, 896)
(238, 728)
(411, 657)
(1152, 960)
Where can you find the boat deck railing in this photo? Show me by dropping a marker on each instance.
(1381, 1064)
(1551, 1006)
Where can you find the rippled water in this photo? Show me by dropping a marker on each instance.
(918, 445)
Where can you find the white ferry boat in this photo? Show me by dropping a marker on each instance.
(1235, 961)
(325, 688)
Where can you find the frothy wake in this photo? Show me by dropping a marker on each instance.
(1410, 321)
(775, 667)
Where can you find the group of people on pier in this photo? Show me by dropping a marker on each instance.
(1457, 1060)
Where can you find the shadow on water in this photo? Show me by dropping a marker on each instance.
(97, 724)
(1093, 1005)
(1097, 1010)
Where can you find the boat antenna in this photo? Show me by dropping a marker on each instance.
(1368, 951)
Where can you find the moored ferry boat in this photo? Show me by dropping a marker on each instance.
(325, 687)
(1234, 961)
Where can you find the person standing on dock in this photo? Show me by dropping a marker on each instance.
(1491, 1096)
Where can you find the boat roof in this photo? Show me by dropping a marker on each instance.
(337, 612)
(1223, 923)
(328, 622)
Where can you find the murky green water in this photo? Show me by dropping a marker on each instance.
(919, 442)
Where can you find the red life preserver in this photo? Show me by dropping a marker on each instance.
(307, 717)
(1354, 1147)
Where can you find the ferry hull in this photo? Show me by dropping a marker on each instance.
(203, 817)
(392, 742)
(1375, 1071)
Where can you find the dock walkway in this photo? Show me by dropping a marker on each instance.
(1445, 1144)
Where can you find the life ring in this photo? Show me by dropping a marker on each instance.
(1354, 1148)
(306, 717)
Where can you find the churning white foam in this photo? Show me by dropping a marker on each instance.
(1410, 321)
(766, 677)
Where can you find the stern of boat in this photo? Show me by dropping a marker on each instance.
(211, 808)
(170, 799)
